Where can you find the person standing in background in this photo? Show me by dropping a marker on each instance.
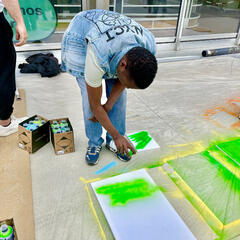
(8, 123)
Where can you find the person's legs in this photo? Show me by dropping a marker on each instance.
(93, 130)
(117, 114)
(7, 72)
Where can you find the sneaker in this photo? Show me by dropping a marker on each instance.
(92, 155)
(12, 127)
(112, 147)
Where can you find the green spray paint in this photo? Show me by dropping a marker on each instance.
(230, 179)
(122, 192)
(214, 184)
(141, 138)
(231, 150)
(228, 154)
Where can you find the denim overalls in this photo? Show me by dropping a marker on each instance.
(111, 36)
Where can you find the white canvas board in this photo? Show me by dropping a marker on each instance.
(151, 217)
(150, 146)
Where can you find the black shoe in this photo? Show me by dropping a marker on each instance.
(92, 155)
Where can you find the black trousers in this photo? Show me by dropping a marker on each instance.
(7, 69)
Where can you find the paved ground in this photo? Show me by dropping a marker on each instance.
(171, 110)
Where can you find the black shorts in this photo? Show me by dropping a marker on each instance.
(7, 69)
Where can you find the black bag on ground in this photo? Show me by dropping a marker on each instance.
(45, 64)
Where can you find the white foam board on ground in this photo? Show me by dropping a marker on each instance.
(151, 217)
(150, 146)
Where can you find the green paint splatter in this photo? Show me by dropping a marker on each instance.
(122, 192)
(141, 138)
(214, 184)
(223, 141)
(230, 179)
(231, 150)
(154, 165)
(227, 153)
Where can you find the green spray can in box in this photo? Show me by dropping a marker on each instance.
(6, 232)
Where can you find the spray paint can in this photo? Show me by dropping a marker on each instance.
(43, 122)
(54, 124)
(63, 129)
(54, 130)
(58, 131)
(32, 127)
(36, 120)
(65, 124)
(6, 232)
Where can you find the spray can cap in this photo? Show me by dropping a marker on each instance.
(6, 232)
(4, 228)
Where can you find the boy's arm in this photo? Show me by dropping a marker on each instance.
(117, 90)
(14, 10)
(94, 96)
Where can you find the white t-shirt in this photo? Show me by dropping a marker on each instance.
(1, 6)
(93, 72)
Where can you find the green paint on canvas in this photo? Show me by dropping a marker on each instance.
(122, 192)
(141, 139)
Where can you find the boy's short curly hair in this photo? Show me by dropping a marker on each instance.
(142, 66)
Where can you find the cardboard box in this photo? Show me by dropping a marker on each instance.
(31, 141)
(10, 222)
(62, 142)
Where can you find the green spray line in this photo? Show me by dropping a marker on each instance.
(122, 192)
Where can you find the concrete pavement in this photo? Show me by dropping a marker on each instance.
(171, 110)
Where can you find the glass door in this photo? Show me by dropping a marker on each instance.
(159, 16)
(209, 19)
